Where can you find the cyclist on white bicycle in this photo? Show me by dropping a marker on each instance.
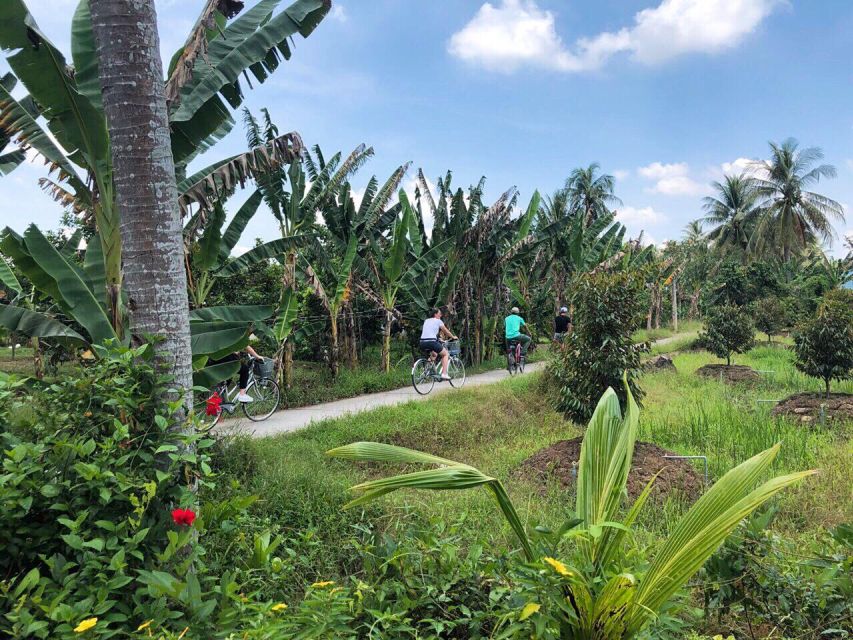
(434, 329)
(245, 366)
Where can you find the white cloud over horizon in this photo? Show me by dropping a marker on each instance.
(639, 217)
(671, 179)
(516, 33)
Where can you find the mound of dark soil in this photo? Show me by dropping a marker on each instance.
(559, 462)
(729, 372)
(805, 407)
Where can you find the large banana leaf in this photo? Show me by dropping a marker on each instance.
(13, 247)
(85, 55)
(287, 311)
(268, 251)
(207, 252)
(238, 224)
(21, 125)
(93, 265)
(217, 339)
(205, 375)
(222, 177)
(232, 313)
(344, 273)
(35, 324)
(72, 284)
(253, 40)
(72, 118)
(8, 277)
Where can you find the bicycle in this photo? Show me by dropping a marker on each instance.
(427, 371)
(261, 387)
(514, 357)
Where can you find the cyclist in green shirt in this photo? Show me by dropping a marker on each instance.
(513, 324)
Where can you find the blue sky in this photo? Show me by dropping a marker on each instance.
(665, 94)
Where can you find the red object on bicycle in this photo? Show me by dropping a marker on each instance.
(214, 404)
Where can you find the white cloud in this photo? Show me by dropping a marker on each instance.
(339, 13)
(517, 33)
(849, 164)
(632, 216)
(621, 174)
(671, 179)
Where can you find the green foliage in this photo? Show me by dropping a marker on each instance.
(728, 330)
(758, 573)
(770, 316)
(594, 357)
(824, 345)
(92, 468)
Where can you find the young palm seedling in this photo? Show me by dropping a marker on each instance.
(591, 595)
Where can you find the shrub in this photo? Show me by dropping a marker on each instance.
(594, 357)
(728, 330)
(92, 475)
(770, 316)
(824, 345)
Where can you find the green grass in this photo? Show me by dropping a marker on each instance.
(687, 326)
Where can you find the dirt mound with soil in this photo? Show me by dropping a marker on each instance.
(806, 407)
(729, 372)
(559, 462)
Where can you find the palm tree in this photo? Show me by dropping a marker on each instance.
(694, 232)
(131, 76)
(733, 211)
(790, 216)
(590, 193)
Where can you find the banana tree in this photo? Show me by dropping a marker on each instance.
(208, 249)
(389, 264)
(595, 595)
(203, 77)
(79, 294)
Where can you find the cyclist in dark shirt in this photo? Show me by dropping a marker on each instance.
(561, 324)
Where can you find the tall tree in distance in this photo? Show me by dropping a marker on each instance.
(589, 193)
(732, 210)
(131, 76)
(791, 216)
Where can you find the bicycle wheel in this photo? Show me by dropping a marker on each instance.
(265, 395)
(510, 362)
(203, 405)
(521, 359)
(422, 376)
(456, 371)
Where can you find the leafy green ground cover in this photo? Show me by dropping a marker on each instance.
(498, 426)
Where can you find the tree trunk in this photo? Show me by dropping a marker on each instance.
(386, 341)
(674, 306)
(38, 361)
(352, 338)
(155, 282)
(693, 313)
(827, 381)
(658, 306)
(333, 344)
(651, 313)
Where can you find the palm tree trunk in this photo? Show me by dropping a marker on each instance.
(693, 313)
(155, 282)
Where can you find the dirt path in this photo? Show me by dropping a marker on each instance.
(300, 417)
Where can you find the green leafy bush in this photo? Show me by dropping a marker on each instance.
(758, 577)
(92, 473)
(824, 344)
(728, 330)
(594, 357)
(770, 316)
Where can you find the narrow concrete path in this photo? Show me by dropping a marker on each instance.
(301, 417)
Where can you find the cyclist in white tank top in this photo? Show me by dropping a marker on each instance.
(432, 330)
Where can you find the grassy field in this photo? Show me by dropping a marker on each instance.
(498, 426)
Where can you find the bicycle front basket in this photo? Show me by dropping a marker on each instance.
(453, 347)
(264, 368)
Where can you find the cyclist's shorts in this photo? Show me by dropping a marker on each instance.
(432, 345)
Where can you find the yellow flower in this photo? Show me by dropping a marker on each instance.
(278, 607)
(558, 566)
(84, 626)
(529, 609)
(321, 585)
(144, 625)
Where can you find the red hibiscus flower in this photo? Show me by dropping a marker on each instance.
(214, 403)
(183, 517)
